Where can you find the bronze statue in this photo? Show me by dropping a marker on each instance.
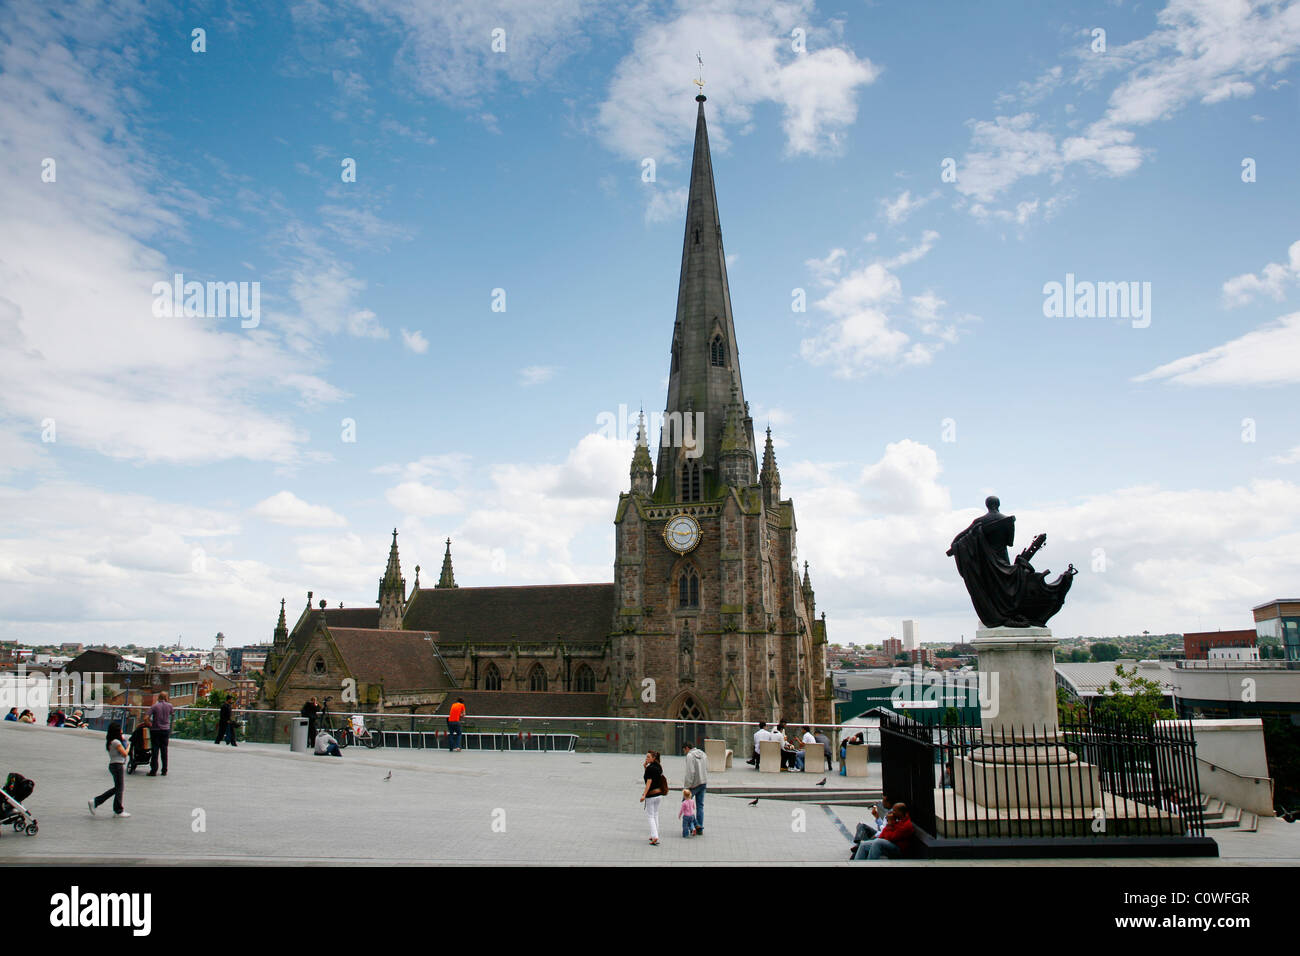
(1006, 594)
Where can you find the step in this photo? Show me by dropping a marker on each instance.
(1230, 817)
(1249, 822)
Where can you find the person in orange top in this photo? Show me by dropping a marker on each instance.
(453, 722)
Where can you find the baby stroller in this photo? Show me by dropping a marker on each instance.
(17, 788)
(139, 751)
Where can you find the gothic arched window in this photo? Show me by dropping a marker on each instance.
(584, 682)
(688, 589)
(717, 352)
(318, 665)
(537, 678)
(690, 489)
(492, 678)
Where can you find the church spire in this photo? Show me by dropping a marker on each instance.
(705, 357)
(808, 595)
(392, 591)
(642, 471)
(281, 635)
(770, 477)
(448, 579)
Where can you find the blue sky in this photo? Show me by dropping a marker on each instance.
(198, 471)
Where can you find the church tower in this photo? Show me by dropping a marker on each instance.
(392, 591)
(712, 621)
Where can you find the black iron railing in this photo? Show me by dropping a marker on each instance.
(1084, 779)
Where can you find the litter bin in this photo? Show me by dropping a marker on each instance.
(298, 735)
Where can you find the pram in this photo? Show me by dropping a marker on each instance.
(17, 788)
(138, 753)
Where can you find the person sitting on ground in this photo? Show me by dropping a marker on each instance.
(13, 714)
(26, 717)
(76, 720)
(869, 829)
(57, 718)
(894, 838)
(326, 745)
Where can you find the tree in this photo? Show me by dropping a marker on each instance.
(1137, 699)
(1068, 709)
(1105, 652)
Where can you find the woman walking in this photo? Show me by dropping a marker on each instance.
(117, 767)
(656, 788)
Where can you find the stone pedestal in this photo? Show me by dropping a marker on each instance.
(1021, 679)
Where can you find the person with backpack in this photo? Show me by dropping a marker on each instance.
(656, 788)
(117, 769)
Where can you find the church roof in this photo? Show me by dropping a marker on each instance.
(403, 660)
(576, 613)
(365, 617)
(352, 617)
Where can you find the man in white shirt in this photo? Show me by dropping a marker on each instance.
(807, 739)
(326, 746)
(759, 736)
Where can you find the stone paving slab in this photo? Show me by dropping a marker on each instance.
(264, 805)
(261, 803)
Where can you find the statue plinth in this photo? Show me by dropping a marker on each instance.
(1021, 682)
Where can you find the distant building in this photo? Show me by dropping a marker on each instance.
(909, 635)
(1280, 620)
(921, 655)
(1196, 645)
(893, 647)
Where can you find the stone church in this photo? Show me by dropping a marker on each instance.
(708, 616)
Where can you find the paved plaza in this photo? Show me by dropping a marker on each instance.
(259, 804)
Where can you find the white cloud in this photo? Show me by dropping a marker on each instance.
(1265, 356)
(78, 259)
(863, 333)
(422, 500)
(1173, 559)
(415, 341)
(288, 509)
(903, 205)
(1272, 281)
(667, 205)
(646, 113)
(1201, 52)
(536, 375)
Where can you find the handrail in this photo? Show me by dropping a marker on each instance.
(645, 720)
(1240, 776)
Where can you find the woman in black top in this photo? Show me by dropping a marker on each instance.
(656, 786)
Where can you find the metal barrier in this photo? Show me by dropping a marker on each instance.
(1092, 779)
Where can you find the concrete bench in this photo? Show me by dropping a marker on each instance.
(855, 760)
(813, 758)
(769, 756)
(719, 755)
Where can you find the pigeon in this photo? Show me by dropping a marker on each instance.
(754, 801)
(389, 777)
(820, 783)
(1288, 815)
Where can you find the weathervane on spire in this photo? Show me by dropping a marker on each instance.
(699, 80)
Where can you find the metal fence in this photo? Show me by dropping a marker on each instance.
(1084, 779)
(502, 733)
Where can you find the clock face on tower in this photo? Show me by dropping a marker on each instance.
(682, 533)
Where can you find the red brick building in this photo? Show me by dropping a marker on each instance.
(1196, 645)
